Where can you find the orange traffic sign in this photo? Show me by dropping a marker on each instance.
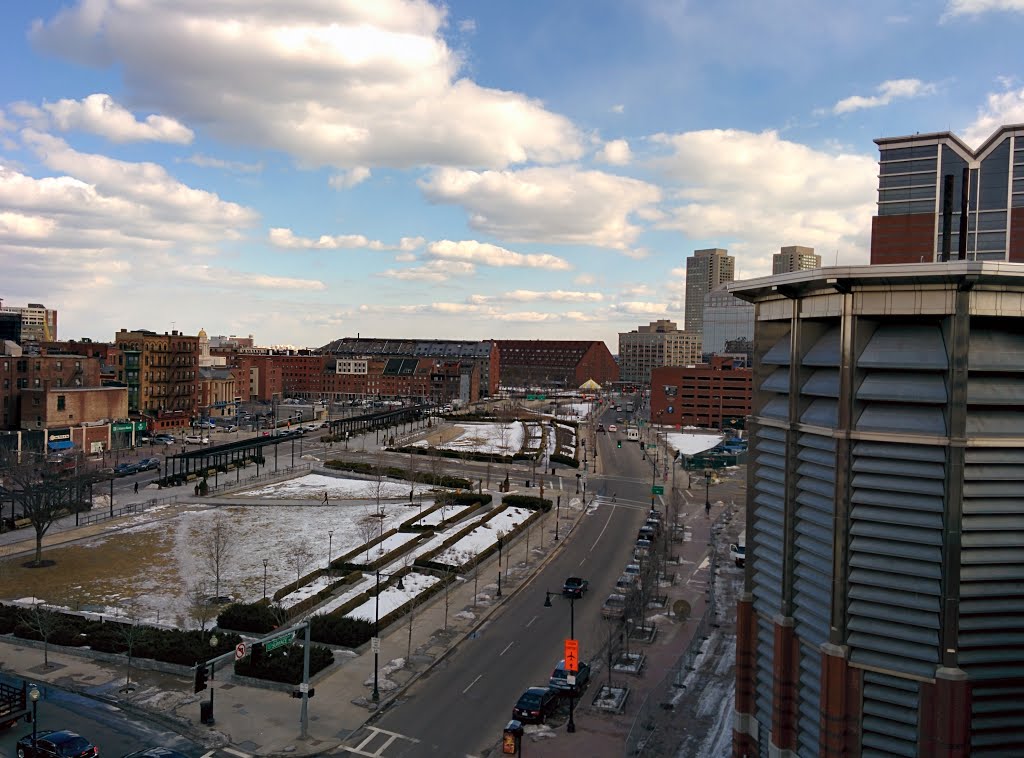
(572, 655)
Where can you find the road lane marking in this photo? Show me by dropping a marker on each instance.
(530, 622)
(472, 683)
(506, 648)
(603, 530)
(238, 753)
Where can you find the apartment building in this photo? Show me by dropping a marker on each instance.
(162, 374)
(38, 323)
(705, 270)
(795, 258)
(660, 343)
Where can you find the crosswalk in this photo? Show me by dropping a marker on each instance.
(222, 752)
(377, 742)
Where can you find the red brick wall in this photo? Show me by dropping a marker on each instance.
(841, 694)
(903, 239)
(743, 743)
(704, 393)
(785, 677)
(946, 718)
(598, 364)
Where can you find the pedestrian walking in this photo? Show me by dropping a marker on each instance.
(136, 488)
(707, 509)
(327, 500)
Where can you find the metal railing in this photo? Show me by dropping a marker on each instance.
(105, 514)
(244, 482)
(651, 731)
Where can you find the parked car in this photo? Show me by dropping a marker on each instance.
(575, 586)
(647, 533)
(614, 606)
(149, 464)
(560, 679)
(738, 550)
(627, 583)
(126, 469)
(196, 439)
(56, 744)
(633, 569)
(535, 705)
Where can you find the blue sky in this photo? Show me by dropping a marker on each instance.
(304, 170)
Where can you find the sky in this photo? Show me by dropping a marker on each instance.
(305, 170)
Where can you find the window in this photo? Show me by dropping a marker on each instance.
(60, 403)
(37, 382)
(60, 365)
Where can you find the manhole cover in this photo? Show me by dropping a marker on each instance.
(681, 609)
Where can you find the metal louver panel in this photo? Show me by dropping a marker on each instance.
(825, 351)
(883, 417)
(809, 701)
(995, 423)
(777, 381)
(995, 350)
(905, 346)
(765, 676)
(765, 534)
(997, 712)
(778, 355)
(777, 407)
(903, 387)
(994, 390)
(821, 412)
(896, 528)
(889, 726)
(823, 383)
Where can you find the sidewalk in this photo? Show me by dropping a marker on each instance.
(266, 722)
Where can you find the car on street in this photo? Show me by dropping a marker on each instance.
(738, 550)
(614, 606)
(632, 569)
(627, 583)
(56, 744)
(126, 469)
(535, 705)
(612, 428)
(575, 586)
(149, 464)
(196, 439)
(560, 679)
(600, 428)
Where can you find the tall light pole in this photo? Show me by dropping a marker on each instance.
(266, 561)
(33, 695)
(330, 543)
(501, 540)
(707, 491)
(571, 726)
(376, 632)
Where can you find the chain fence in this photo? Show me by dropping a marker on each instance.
(656, 730)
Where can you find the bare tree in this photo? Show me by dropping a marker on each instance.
(367, 530)
(43, 622)
(130, 634)
(217, 550)
(40, 490)
(298, 559)
(437, 466)
(410, 474)
(200, 609)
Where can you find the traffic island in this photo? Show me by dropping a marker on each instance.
(611, 698)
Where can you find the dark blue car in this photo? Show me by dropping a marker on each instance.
(51, 744)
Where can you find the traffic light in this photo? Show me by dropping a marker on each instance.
(256, 653)
(201, 677)
(618, 443)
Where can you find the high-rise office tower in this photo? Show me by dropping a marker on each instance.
(660, 343)
(705, 270)
(795, 258)
(928, 182)
(883, 604)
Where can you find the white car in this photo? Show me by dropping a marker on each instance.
(738, 550)
(612, 428)
(196, 439)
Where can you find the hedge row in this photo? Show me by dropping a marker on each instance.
(285, 664)
(259, 617)
(332, 629)
(565, 460)
(395, 472)
(532, 502)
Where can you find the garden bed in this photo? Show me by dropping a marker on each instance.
(611, 699)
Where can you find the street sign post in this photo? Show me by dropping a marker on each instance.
(375, 644)
(657, 489)
(240, 651)
(572, 656)
(277, 642)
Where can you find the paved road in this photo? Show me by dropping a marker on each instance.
(460, 707)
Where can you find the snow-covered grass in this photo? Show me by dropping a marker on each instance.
(481, 538)
(313, 487)
(441, 514)
(484, 437)
(306, 591)
(390, 543)
(691, 443)
(392, 598)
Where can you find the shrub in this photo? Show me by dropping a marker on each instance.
(250, 617)
(565, 460)
(340, 630)
(527, 501)
(285, 664)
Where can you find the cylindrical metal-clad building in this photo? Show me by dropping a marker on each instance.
(883, 611)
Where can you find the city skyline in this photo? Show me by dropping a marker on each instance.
(403, 169)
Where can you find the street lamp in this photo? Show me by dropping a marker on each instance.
(376, 639)
(266, 561)
(330, 543)
(213, 645)
(707, 491)
(33, 695)
(571, 726)
(501, 540)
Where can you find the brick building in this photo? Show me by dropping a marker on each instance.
(710, 395)
(40, 372)
(38, 323)
(162, 375)
(555, 364)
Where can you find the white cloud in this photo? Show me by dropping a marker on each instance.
(432, 271)
(1001, 108)
(637, 307)
(977, 7)
(529, 296)
(752, 192)
(99, 114)
(616, 153)
(584, 279)
(286, 238)
(549, 205)
(887, 92)
(340, 84)
(206, 161)
(618, 108)
(349, 179)
(491, 255)
(467, 26)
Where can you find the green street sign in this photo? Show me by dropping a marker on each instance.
(277, 642)
(657, 489)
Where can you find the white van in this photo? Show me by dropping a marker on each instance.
(738, 549)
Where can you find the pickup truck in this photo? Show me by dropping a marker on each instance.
(575, 586)
(13, 703)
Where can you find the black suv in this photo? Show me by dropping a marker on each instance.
(575, 586)
(560, 679)
(50, 744)
(535, 705)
